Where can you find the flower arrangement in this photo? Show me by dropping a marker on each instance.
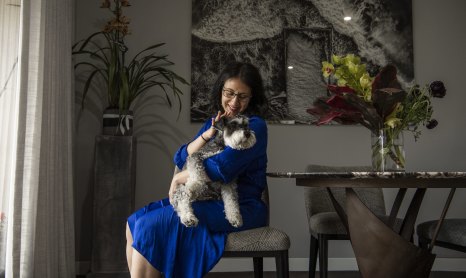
(125, 79)
(378, 103)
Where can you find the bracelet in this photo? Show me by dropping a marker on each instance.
(204, 138)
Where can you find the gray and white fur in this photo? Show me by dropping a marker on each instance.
(232, 132)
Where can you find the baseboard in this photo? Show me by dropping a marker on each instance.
(301, 264)
(334, 264)
(296, 264)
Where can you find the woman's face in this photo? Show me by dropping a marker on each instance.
(235, 96)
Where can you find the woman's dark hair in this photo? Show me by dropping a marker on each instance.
(249, 75)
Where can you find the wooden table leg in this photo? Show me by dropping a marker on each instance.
(380, 252)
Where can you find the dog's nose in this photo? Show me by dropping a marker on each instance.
(247, 134)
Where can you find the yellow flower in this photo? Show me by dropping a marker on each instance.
(351, 58)
(365, 81)
(341, 82)
(327, 69)
(119, 24)
(352, 67)
(392, 122)
(336, 60)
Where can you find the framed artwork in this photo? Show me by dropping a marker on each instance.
(288, 40)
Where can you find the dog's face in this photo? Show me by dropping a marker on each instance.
(237, 134)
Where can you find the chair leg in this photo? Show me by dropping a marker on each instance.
(323, 255)
(314, 247)
(281, 263)
(423, 242)
(258, 267)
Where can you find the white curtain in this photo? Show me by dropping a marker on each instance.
(40, 239)
(9, 43)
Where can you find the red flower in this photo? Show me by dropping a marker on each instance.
(336, 108)
(386, 91)
(432, 124)
(340, 90)
(438, 89)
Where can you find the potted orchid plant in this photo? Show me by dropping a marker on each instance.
(105, 55)
(379, 103)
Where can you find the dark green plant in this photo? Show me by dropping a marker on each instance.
(104, 54)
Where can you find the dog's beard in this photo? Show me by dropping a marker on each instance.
(238, 141)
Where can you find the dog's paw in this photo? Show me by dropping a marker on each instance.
(237, 222)
(189, 220)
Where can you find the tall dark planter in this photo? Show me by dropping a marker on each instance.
(115, 176)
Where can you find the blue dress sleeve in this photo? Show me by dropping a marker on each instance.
(230, 163)
(182, 153)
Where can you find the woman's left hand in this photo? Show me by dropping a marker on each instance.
(208, 134)
(179, 179)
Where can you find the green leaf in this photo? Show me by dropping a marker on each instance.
(87, 85)
(147, 69)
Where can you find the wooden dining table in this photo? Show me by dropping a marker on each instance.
(380, 249)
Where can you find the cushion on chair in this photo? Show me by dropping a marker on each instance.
(452, 231)
(259, 239)
(326, 223)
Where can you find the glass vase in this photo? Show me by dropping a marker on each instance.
(387, 151)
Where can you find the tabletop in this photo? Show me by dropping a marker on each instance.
(401, 179)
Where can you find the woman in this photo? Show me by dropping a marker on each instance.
(157, 242)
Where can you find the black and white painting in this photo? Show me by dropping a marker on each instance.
(288, 40)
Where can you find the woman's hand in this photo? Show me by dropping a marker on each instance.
(208, 134)
(200, 141)
(173, 187)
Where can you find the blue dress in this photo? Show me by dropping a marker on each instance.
(178, 251)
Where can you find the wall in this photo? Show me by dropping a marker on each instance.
(439, 54)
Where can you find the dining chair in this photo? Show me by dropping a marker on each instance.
(260, 243)
(452, 234)
(324, 222)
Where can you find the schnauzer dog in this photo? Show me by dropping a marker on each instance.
(233, 132)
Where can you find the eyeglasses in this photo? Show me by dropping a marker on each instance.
(230, 94)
